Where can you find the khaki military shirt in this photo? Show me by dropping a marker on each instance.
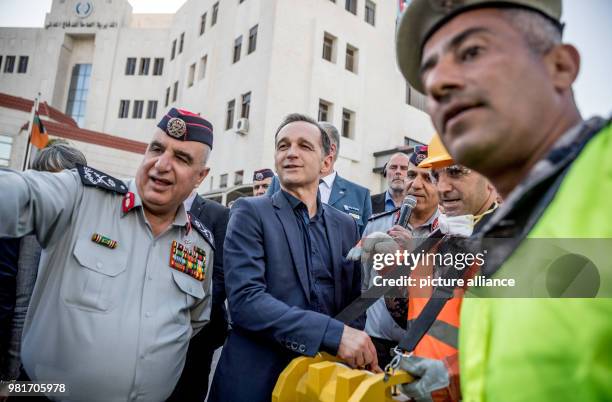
(110, 323)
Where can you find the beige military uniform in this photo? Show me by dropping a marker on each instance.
(110, 323)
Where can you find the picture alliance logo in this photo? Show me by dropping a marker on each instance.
(83, 9)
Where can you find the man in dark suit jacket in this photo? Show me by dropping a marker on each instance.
(193, 383)
(395, 172)
(345, 196)
(286, 274)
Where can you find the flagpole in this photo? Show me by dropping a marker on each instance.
(26, 158)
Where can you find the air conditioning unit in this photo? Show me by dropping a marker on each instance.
(242, 126)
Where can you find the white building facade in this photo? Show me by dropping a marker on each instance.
(241, 64)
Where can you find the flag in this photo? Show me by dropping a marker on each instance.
(38, 136)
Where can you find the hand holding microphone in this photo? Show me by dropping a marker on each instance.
(401, 232)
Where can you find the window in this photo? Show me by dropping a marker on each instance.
(77, 92)
(329, 43)
(9, 65)
(223, 180)
(124, 108)
(22, 68)
(181, 43)
(6, 145)
(215, 12)
(144, 66)
(237, 48)
(158, 66)
(370, 12)
(238, 177)
(130, 66)
(351, 58)
(252, 39)
(152, 109)
(191, 75)
(137, 111)
(348, 123)
(167, 96)
(324, 111)
(173, 52)
(175, 91)
(203, 63)
(203, 24)
(351, 6)
(229, 116)
(246, 105)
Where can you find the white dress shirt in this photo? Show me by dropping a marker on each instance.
(325, 186)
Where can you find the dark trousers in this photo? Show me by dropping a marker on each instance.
(383, 350)
(193, 383)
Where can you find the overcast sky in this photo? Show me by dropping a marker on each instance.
(587, 26)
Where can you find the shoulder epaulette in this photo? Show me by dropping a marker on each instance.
(94, 178)
(381, 214)
(206, 234)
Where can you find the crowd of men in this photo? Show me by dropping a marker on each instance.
(130, 286)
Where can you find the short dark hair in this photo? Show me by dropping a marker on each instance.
(295, 117)
(57, 157)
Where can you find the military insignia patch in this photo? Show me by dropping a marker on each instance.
(176, 127)
(192, 262)
(259, 176)
(103, 240)
(201, 229)
(94, 178)
(128, 202)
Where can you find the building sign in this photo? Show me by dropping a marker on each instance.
(83, 9)
(81, 24)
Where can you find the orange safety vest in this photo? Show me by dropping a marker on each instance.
(441, 340)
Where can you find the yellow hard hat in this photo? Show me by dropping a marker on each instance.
(437, 155)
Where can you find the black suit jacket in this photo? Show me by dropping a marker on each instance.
(215, 217)
(378, 203)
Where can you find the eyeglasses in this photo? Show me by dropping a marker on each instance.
(453, 172)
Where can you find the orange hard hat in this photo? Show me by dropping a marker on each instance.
(437, 155)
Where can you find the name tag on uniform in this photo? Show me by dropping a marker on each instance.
(192, 262)
(352, 211)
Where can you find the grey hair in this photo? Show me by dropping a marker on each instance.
(333, 134)
(57, 157)
(540, 32)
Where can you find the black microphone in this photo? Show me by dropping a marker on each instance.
(406, 210)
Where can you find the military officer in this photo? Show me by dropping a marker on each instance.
(125, 276)
(262, 179)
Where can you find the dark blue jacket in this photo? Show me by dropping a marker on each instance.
(269, 294)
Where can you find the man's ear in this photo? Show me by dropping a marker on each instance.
(563, 64)
(333, 150)
(327, 162)
(202, 175)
